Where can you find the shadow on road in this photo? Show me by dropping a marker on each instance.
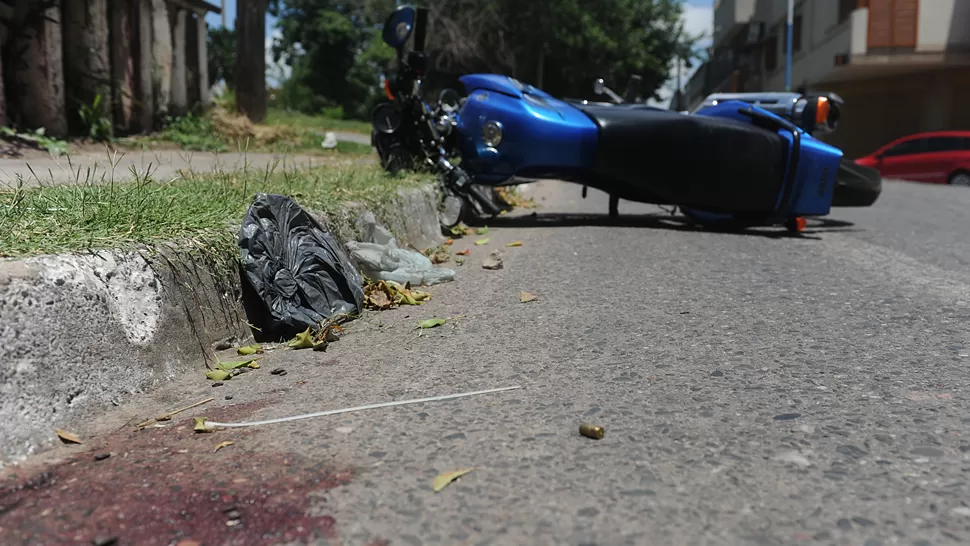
(660, 221)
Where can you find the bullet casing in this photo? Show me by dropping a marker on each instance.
(595, 432)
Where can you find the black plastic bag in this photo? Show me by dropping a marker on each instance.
(300, 275)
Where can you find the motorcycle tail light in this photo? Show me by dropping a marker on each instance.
(387, 89)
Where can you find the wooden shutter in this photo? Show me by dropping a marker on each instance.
(893, 23)
(905, 17)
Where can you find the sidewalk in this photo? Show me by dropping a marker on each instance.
(163, 164)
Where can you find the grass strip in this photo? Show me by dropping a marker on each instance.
(96, 212)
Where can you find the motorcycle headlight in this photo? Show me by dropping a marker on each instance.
(492, 134)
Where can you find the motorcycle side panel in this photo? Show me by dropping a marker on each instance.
(542, 136)
(818, 163)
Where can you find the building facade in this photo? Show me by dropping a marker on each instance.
(902, 66)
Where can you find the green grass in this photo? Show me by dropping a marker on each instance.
(277, 116)
(300, 134)
(204, 208)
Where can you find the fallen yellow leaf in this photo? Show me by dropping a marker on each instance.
(222, 445)
(526, 297)
(218, 375)
(303, 340)
(67, 437)
(515, 243)
(484, 241)
(446, 478)
(250, 350)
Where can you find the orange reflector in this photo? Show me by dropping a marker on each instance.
(822, 110)
(387, 89)
(799, 224)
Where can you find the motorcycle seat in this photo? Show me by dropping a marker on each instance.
(694, 160)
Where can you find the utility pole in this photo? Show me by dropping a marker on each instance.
(223, 13)
(788, 44)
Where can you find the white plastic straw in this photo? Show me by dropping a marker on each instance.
(209, 424)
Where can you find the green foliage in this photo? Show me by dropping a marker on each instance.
(222, 55)
(38, 138)
(193, 132)
(336, 53)
(336, 56)
(90, 214)
(96, 122)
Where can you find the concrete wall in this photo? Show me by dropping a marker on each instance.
(943, 25)
(728, 14)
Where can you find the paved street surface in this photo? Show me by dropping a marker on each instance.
(755, 389)
(101, 167)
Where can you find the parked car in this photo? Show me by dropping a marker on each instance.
(939, 157)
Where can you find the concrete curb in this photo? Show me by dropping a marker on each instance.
(80, 333)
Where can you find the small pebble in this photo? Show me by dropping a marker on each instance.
(217, 384)
(101, 456)
(105, 541)
(717, 373)
(281, 374)
(278, 371)
(228, 397)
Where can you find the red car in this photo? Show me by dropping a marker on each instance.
(940, 157)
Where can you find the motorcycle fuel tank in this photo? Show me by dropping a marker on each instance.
(538, 135)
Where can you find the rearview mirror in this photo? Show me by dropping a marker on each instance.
(398, 27)
(598, 86)
(449, 100)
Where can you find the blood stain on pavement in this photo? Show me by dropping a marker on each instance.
(163, 485)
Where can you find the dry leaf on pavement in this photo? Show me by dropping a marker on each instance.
(493, 261)
(67, 437)
(514, 243)
(484, 241)
(465, 252)
(446, 478)
(526, 297)
(222, 445)
(218, 375)
(250, 349)
(431, 323)
(303, 340)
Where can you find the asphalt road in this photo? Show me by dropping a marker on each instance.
(754, 388)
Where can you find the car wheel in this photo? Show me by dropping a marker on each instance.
(961, 178)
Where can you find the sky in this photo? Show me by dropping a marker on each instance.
(698, 16)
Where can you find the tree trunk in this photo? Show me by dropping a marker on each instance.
(37, 84)
(202, 35)
(3, 97)
(251, 59)
(179, 65)
(124, 21)
(146, 90)
(161, 57)
(87, 57)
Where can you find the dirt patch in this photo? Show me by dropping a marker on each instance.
(163, 485)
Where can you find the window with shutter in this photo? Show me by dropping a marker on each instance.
(893, 24)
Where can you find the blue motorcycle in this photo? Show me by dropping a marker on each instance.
(731, 164)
